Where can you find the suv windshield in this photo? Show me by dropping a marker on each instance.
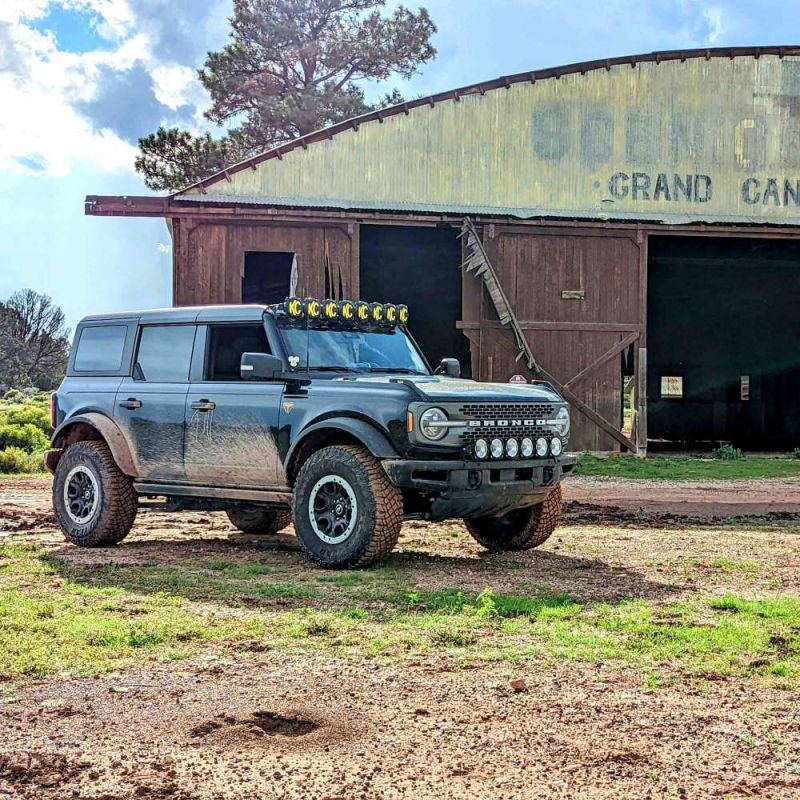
(362, 351)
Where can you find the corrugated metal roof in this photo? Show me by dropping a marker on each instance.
(503, 82)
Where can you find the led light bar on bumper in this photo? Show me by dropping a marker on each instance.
(346, 313)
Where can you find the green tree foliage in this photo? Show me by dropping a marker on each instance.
(290, 68)
(34, 341)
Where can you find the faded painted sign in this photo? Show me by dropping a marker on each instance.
(703, 139)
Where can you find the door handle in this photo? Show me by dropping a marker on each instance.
(204, 405)
(131, 403)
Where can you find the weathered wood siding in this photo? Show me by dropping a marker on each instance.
(208, 259)
(567, 336)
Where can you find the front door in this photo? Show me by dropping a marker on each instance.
(149, 407)
(231, 424)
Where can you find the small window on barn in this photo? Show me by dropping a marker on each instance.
(671, 387)
(100, 348)
(267, 277)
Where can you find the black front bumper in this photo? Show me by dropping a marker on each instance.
(464, 489)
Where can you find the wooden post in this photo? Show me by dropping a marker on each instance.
(641, 404)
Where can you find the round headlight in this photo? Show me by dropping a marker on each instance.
(512, 448)
(497, 448)
(527, 447)
(481, 449)
(555, 446)
(428, 423)
(541, 447)
(561, 423)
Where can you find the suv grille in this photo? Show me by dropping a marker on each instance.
(512, 413)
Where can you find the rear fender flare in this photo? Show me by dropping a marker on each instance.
(74, 430)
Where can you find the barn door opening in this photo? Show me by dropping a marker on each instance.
(723, 327)
(267, 277)
(421, 268)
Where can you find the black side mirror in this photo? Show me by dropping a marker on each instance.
(450, 367)
(261, 367)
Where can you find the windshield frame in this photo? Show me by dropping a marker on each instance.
(330, 369)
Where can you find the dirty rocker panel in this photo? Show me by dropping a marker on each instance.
(273, 497)
(470, 489)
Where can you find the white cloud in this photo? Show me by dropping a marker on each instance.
(62, 107)
(713, 18)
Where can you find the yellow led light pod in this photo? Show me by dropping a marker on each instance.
(376, 312)
(347, 310)
(294, 307)
(390, 313)
(402, 314)
(362, 311)
(313, 308)
(330, 309)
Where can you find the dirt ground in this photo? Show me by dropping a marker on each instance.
(293, 724)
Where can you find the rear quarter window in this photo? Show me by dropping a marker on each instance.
(100, 348)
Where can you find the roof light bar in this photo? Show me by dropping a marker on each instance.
(345, 312)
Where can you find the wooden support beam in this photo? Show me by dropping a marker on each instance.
(604, 359)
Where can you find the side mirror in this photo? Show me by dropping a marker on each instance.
(261, 367)
(450, 367)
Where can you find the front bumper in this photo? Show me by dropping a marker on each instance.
(464, 489)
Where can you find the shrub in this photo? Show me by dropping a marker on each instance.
(795, 454)
(727, 452)
(16, 460)
(26, 437)
(29, 414)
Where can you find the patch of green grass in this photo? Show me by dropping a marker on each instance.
(58, 617)
(686, 469)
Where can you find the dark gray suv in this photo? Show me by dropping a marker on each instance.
(323, 413)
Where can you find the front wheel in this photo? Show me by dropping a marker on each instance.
(518, 530)
(347, 513)
(95, 503)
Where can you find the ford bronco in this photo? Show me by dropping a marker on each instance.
(321, 413)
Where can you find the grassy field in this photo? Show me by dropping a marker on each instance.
(59, 618)
(686, 469)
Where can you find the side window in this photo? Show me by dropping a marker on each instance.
(165, 353)
(100, 348)
(226, 345)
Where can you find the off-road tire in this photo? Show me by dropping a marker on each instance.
(259, 521)
(379, 514)
(518, 530)
(115, 511)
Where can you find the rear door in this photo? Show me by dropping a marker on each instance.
(150, 405)
(231, 424)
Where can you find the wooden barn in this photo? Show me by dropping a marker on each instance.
(627, 229)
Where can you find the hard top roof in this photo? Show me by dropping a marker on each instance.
(186, 314)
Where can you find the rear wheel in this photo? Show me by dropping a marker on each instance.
(347, 513)
(518, 530)
(259, 521)
(94, 502)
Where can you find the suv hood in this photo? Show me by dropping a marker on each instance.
(439, 387)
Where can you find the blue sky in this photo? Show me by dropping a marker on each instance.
(81, 80)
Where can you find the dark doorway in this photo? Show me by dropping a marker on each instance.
(421, 268)
(266, 277)
(722, 334)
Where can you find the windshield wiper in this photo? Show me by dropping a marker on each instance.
(329, 368)
(397, 370)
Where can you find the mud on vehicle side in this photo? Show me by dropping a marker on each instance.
(318, 412)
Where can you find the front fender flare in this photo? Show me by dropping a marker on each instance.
(107, 429)
(371, 437)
